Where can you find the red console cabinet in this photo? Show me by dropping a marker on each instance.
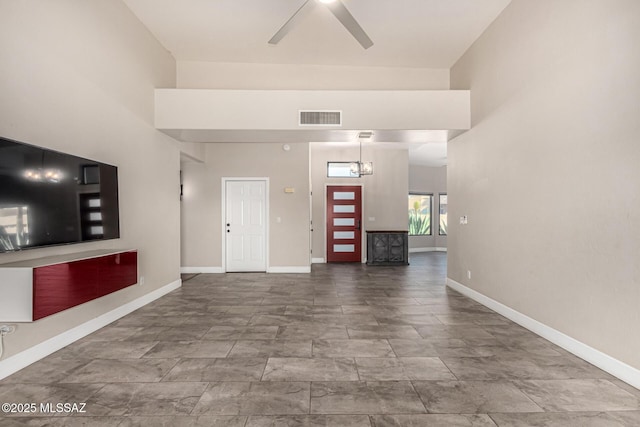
(117, 271)
(61, 286)
(59, 283)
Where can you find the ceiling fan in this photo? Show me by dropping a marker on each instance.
(339, 10)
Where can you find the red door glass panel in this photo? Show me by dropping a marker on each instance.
(344, 218)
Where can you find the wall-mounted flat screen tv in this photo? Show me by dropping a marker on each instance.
(50, 198)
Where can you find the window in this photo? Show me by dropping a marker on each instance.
(341, 170)
(420, 214)
(442, 202)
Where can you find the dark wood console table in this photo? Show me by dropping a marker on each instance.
(386, 247)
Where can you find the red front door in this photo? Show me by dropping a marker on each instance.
(344, 217)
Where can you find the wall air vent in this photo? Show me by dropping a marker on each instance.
(320, 118)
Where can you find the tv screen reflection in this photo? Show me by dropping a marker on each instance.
(50, 198)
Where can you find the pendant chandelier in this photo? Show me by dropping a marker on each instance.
(361, 168)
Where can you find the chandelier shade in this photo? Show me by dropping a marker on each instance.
(361, 168)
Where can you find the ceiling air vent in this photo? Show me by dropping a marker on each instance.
(320, 118)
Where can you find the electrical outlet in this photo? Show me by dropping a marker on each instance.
(7, 329)
(469, 274)
(141, 281)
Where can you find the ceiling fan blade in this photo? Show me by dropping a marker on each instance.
(344, 16)
(291, 22)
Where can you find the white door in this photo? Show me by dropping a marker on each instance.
(245, 226)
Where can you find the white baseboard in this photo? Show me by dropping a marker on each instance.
(433, 249)
(318, 261)
(615, 367)
(197, 270)
(25, 358)
(220, 270)
(305, 269)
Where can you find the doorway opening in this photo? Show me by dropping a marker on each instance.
(245, 227)
(344, 223)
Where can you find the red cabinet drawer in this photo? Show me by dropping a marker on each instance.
(58, 287)
(62, 286)
(117, 272)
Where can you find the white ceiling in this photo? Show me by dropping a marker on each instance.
(406, 33)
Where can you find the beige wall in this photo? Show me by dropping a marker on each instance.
(78, 77)
(202, 210)
(384, 192)
(277, 110)
(191, 151)
(212, 75)
(425, 179)
(548, 175)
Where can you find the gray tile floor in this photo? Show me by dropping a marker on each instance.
(347, 345)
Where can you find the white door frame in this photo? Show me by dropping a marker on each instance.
(223, 223)
(363, 233)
